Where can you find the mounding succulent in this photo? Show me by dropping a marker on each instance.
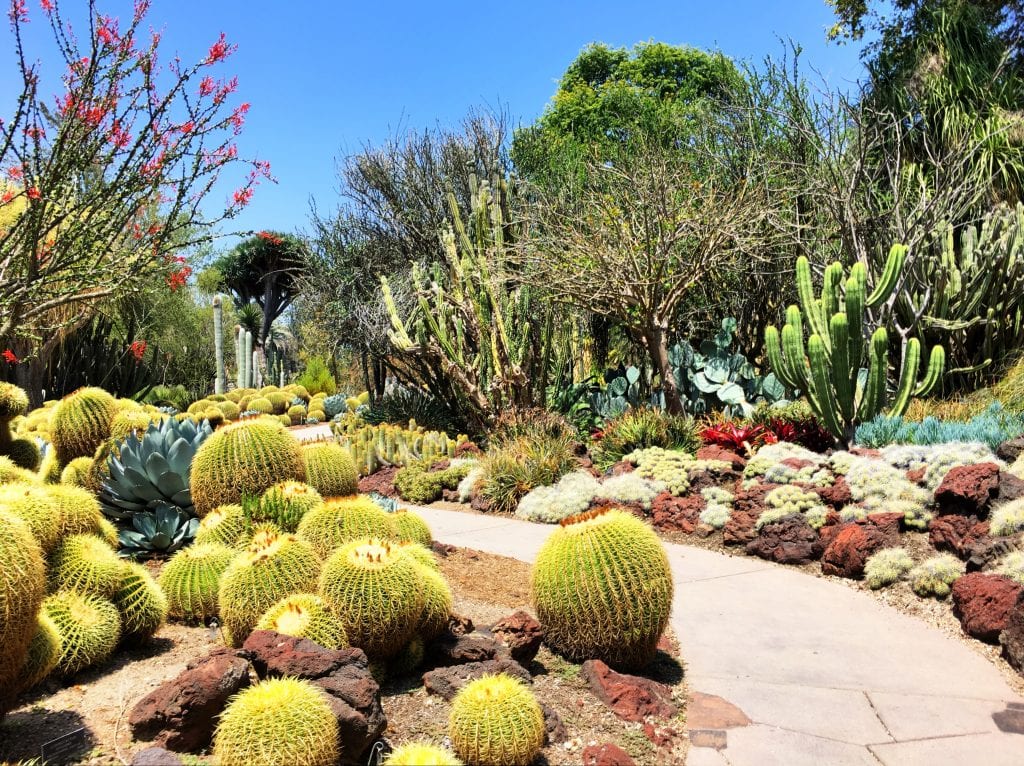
(406, 661)
(935, 576)
(421, 754)
(241, 459)
(1008, 519)
(43, 652)
(278, 721)
(191, 579)
(305, 615)
(602, 588)
(226, 525)
(22, 588)
(886, 567)
(81, 423)
(153, 470)
(274, 566)
(165, 530)
(341, 520)
(496, 719)
(86, 564)
(437, 603)
(412, 528)
(141, 603)
(283, 504)
(34, 505)
(330, 469)
(89, 628)
(1012, 565)
(11, 472)
(377, 592)
(78, 510)
(78, 473)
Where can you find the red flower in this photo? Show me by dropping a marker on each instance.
(220, 50)
(206, 86)
(138, 349)
(243, 196)
(46, 5)
(10, 357)
(33, 193)
(271, 238)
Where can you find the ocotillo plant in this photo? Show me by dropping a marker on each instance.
(829, 371)
(220, 383)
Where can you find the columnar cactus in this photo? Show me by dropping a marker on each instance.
(828, 370)
(220, 382)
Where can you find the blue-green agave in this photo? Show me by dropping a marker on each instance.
(164, 530)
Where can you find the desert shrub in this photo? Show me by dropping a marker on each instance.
(719, 506)
(645, 427)
(513, 468)
(168, 396)
(794, 423)
(316, 378)
(530, 423)
(418, 484)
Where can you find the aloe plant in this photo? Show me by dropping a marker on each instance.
(164, 530)
(153, 471)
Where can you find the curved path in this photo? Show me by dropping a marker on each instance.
(820, 674)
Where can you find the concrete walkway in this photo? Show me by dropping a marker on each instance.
(826, 675)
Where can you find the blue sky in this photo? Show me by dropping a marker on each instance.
(324, 78)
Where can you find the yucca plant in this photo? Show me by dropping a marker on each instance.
(165, 530)
(153, 471)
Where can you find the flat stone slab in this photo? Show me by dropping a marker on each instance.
(827, 674)
(316, 433)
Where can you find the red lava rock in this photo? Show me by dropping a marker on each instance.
(181, 714)
(709, 711)
(446, 681)
(955, 533)
(606, 755)
(617, 469)
(631, 698)
(714, 452)
(353, 694)
(983, 602)
(677, 514)
(886, 523)
(467, 448)
(459, 625)
(835, 495)
(917, 475)
(521, 633)
(968, 489)
(1012, 637)
(450, 649)
(796, 463)
(790, 540)
(865, 452)
(849, 549)
(747, 507)
(1010, 487)
(382, 482)
(665, 737)
(603, 504)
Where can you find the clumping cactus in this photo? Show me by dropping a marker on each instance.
(935, 576)
(789, 499)
(141, 604)
(34, 505)
(773, 454)
(86, 564)
(305, 615)
(81, 423)
(437, 604)
(329, 468)
(412, 528)
(89, 628)
(225, 525)
(1007, 519)
(421, 754)
(496, 720)
(277, 721)
(602, 588)
(191, 579)
(22, 588)
(274, 566)
(342, 520)
(376, 590)
(668, 467)
(569, 496)
(241, 459)
(43, 652)
(631, 488)
(886, 566)
(284, 504)
(1012, 566)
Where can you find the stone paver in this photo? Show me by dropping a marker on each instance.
(827, 674)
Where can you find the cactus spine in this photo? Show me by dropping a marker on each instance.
(828, 370)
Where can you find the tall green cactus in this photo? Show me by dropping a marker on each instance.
(829, 371)
(220, 382)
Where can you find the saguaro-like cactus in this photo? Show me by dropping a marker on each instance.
(247, 346)
(218, 345)
(829, 370)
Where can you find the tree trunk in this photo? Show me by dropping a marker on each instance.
(30, 375)
(656, 340)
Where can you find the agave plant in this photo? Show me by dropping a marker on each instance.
(164, 530)
(147, 473)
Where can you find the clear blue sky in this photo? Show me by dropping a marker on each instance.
(324, 78)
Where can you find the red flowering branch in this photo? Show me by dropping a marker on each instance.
(107, 178)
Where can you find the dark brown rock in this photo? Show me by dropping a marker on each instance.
(886, 523)
(459, 625)
(968, 490)
(450, 649)
(747, 508)
(631, 698)
(955, 533)
(382, 482)
(986, 551)
(1010, 449)
(916, 475)
(467, 448)
(480, 503)
(790, 540)
(554, 729)
(983, 602)
(1012, 637)
(676, 514)
(606, 755)
(705, 478)
(849, 548)
(521, 633)
(617, 469)
(442, 549)
(1010, 487)
(156, 756)
(714, 452)
(835, 495)
(181, 713)
(446, 681)
(344, 674)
